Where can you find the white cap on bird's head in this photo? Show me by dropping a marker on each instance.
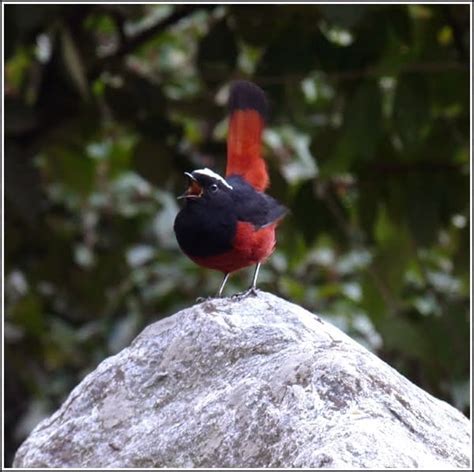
(212, 174)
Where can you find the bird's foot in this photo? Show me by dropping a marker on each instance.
(251, 291)
(205, 299)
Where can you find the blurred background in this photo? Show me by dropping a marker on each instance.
(368, 143)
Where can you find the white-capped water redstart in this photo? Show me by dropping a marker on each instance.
(229, 223)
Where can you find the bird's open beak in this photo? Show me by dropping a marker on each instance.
(194, 189)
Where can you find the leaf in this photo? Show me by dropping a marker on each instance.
(363, 51)
(392, 253)
(420, 198)
(73, 61)
(373, 301)
(450, 92)
(114, 154)
(286, 140)
(411, 109)
(462, 256)
(305, 198)
(317, 213)
(367, 205)
(28, 314)
(72, 168)
(405, 337)
(83, 256)
(361, 130)
(139, 254)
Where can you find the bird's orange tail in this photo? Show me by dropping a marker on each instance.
(247, 112)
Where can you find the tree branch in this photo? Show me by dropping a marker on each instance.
(130, 44)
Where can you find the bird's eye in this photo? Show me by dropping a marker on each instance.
(213, 188)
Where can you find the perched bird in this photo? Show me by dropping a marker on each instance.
(229, 223)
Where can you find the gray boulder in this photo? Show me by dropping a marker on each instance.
(258, 382)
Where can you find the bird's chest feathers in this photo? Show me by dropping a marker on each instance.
(205, 231)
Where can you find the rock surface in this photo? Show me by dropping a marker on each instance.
(253, 383)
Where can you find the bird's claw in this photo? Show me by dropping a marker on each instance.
(251, 291)
(237, 296)
(204, 299)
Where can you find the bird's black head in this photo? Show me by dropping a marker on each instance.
(205, 186)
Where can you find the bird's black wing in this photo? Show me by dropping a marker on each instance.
(254, 207)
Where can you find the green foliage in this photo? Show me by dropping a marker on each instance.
(367, 143)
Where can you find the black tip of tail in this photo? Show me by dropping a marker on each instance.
(245, 95)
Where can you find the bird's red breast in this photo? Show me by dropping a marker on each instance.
(249, 246)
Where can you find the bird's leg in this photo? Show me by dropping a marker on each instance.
(253, 290)
(226, 276)
(219, 293)
(253, 287)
